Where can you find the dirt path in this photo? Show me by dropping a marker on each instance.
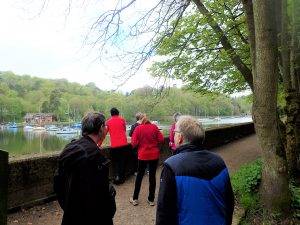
(235, 154)
(240, 152)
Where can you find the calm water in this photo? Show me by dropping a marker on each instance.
(19, 142)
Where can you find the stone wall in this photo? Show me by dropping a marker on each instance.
(31, 179)
(3, 186)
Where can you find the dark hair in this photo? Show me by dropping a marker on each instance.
(91, 123)
(114, 112)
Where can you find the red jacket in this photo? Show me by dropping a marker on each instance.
(147, 137)
(116, 126)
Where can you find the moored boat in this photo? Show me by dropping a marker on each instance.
(39, 128)
(28, 127)
(67, 130)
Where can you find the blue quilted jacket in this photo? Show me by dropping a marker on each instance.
(195, 189)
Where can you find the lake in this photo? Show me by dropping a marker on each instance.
(19, 142)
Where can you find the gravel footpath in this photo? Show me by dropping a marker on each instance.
(235, 154)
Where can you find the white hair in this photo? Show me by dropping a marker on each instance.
(191, 129)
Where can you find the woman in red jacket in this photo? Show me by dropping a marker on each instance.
(147, 138)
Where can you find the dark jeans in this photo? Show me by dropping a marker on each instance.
(119, 157)
(134, 160)
(142, 164)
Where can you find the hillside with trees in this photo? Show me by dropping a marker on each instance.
(22, 94)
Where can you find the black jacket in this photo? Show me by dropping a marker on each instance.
(195, 189)
(133, 128)
(82, 185)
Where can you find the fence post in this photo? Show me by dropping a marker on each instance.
(3, 186)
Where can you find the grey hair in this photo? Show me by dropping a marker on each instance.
(191, 129)
(139, 115)
(176, 116)
(91, 123)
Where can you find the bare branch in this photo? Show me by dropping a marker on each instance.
(155, 24)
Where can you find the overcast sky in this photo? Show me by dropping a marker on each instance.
(50, 44)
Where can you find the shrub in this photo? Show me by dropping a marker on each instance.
(245, 183)
(295, 191)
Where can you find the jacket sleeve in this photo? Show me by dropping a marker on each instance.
(135, 138)
(229, 201)
(167, 212)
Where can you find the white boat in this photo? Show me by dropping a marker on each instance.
(39, 129)
(67, 130)
(28, 127)
(204, 120)
(128, 127)
(155, 122)
(12, 125)
(52, 128)
(217, 118)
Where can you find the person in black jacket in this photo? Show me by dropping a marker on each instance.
(82, 183)
(139, 116)
(195, 187)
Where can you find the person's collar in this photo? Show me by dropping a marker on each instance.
(92, 138)
(188, 147)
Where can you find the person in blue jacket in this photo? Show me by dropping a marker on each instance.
(195, 186)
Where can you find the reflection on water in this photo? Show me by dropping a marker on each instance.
(19, 142)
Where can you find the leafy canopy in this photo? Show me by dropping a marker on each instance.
(194, 53)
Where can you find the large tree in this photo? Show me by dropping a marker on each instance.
(274, 177)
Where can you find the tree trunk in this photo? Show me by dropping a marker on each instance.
(291, 143)
(285, 48)
(290, 146)
(248, 8)
(295, 72)
(295, 57)
(275, 187)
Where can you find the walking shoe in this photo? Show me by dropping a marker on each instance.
(134, 201)
(151, 203)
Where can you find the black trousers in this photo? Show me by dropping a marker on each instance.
(119, 157)
(134, 157)
(142, 164)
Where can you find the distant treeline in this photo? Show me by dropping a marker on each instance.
(22, 94)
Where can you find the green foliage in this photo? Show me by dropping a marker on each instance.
(245, 183)
(194, 53)
(22, 94)
(295, 191)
